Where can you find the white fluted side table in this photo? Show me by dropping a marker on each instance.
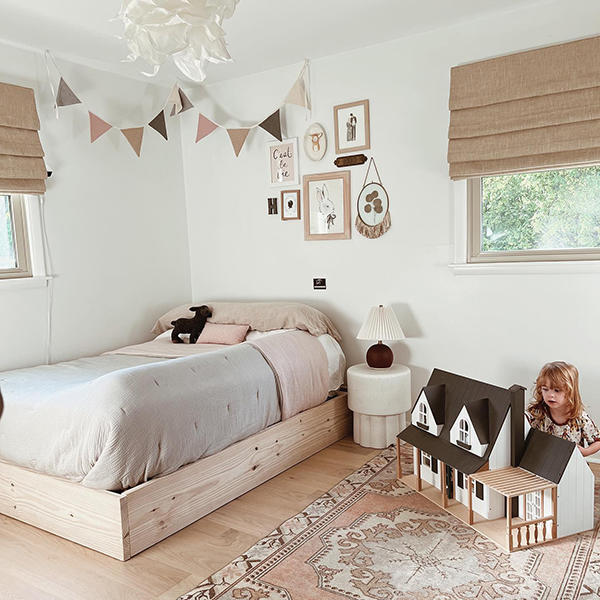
(379, 399)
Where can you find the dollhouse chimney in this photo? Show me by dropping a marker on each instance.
(517, 433)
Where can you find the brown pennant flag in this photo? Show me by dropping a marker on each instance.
(205, 127)
(238, 137)
(272, 125)
(134, 136)
(297, 95)
(158, 124)
(65, 95)
(185, 102)
(98, 127)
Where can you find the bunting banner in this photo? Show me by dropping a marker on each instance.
(65, 95)
(238, 137)
(205, 127)
(272, 125)
(178, 102)
(134, 136)
(159, 124)
(98, 127)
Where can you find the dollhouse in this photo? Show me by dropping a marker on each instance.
(473, 456)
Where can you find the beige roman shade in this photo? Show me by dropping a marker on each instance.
(22, 167)
(527, 111)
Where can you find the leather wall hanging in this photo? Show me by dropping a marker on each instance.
(373, 207)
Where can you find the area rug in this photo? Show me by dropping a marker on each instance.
(371, 537)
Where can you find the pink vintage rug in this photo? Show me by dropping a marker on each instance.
(371, 537)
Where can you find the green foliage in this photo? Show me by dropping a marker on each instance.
(7, 249)
(544, 210)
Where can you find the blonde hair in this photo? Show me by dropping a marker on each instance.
(561, 376)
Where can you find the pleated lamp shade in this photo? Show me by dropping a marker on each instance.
(381, 324)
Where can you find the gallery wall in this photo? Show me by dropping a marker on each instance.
(116, 224)
(497, 327)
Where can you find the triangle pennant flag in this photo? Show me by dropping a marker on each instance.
(65, 95)
(238, 137)
(158, 124)
(174, 99)
(185, 101)
(134, 136)
(98, 127)
(272, 125)
(205, 127)
(297, 95)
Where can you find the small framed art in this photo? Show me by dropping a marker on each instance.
(352, 126)
(327, 206)
(290, 205)
(283, 162)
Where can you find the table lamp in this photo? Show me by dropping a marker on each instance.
(381, 324)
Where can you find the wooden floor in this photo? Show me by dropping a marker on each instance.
(36, 565)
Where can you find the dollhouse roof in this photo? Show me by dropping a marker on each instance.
(461, 391)
(436, 395)
(546, 455)
(479, 413)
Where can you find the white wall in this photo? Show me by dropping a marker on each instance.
(498, 328)
(116, 223)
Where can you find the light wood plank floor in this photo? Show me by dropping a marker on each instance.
(36, 565)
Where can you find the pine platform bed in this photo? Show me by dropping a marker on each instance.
(124, 524)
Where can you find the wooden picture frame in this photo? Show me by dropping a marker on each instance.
(290, 205)
(352, 126)
(282, 162)
(327, 206)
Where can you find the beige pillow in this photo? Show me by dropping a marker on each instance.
(261, 316)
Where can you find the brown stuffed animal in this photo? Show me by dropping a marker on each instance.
(193, 326)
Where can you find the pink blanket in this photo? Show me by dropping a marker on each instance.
(300, 366)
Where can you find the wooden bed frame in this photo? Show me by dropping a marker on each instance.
(123, 524)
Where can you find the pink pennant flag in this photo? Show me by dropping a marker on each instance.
(238, 137)
(205, 127)
(134, 136)
(98, 127)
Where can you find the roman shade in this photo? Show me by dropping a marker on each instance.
(528, 111)
(22, 167)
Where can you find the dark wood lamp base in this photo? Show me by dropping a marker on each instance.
(380, 356)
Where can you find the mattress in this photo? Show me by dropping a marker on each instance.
(116, 420)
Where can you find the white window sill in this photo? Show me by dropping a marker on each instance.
(38, 281)
(526, 268)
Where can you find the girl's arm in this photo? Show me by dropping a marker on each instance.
(591, 449)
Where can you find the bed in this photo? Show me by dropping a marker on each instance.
(126, 448)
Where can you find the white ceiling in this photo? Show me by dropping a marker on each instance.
(262, 34)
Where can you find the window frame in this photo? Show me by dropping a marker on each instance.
(22, 243)
(476, 256)
(422, 414)
(533, 505)
(464, 434)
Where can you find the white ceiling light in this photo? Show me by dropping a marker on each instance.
(189, 31)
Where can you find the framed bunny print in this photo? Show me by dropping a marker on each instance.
(327, 206)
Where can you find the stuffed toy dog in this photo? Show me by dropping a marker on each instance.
(193, 326)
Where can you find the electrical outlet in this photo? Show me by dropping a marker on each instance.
(319, 283)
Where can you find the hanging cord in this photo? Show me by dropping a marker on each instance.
(371, 162)
(49, 270)
(307, 94)
(49, 58)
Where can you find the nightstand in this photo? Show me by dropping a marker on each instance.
(379, 399)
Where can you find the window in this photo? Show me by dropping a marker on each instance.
(540, 216)
(460, 481)
(533, 506)
(463, 432)
(426, 459)
(14, 242)
(423, 414)
(434, 465)
(478, 490)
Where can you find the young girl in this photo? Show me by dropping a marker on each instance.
(557, 408)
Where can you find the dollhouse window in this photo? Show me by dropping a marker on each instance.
(478, 490)
(533, 506)
(422, 413)
(463, 432)
(426, 459)
(460, 480)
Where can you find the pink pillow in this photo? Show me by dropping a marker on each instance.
(219, 333)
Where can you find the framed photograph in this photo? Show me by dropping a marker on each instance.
(290, 205)
(327, 206)
(352, 126)
(283, 162)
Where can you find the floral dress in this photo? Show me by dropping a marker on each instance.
(581, 430)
